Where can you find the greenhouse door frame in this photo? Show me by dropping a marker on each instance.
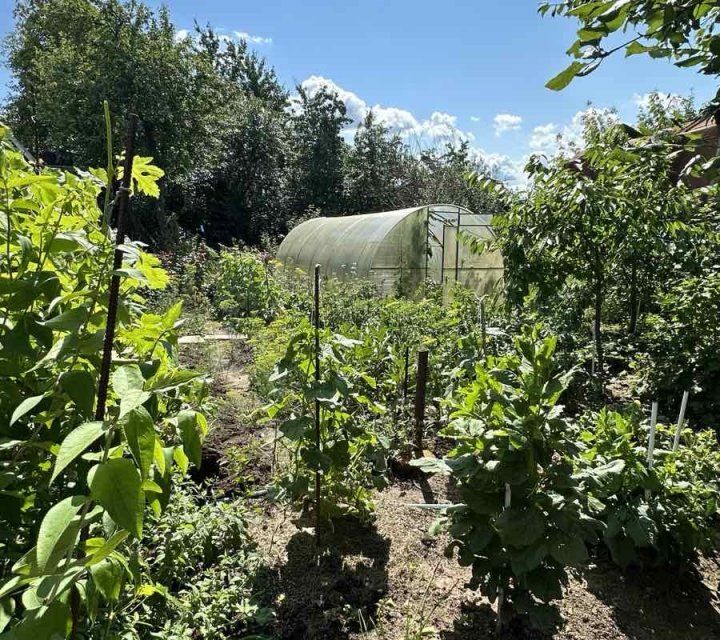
(457, 226)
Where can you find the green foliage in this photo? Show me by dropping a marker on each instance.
(667, 513)
(681, 344)
(73, 489)
(351, 456)
(244, 285)
(193, 574)
(522, 520)
(683, 31)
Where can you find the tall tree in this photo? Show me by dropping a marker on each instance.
(376, 169)
(319, 151)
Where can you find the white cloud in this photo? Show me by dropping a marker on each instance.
(440, 127)
(248, 37)
(181, 34)
(642, 101)
(475, 118)
(504, 122)
(551, 138)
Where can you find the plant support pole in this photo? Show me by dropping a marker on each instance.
(420, 387)
(651, 439)
(123, 206)
(316, 323)
(501, 590)
(681, 420)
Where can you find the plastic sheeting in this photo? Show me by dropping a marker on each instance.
(397, 250)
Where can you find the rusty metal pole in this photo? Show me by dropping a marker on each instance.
(123, 207)
(420, 388)
(316, 323)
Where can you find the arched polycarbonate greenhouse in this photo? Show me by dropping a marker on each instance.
(398, 250)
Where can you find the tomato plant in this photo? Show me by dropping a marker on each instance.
(351, 457)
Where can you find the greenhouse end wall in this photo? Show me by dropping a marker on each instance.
(397, 250)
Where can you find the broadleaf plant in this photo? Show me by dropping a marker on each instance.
(71, 489)
(523, 520)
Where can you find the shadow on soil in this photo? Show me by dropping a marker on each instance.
(652, 604)
(658, 604)
(338, 597)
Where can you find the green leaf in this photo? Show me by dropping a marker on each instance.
(431, 465)
(294, 429)
(520, 527)
(107, 548)
(116, 486)
(7, 608)
(24, 407)
(140, 433)
(108, 577)
(127, 383)
(568, 550)
(187, 423)
(565, 77)
(80, 386)
(49, 622)
(70, 320)
(76, 442)
(53, 527)
(145, 176)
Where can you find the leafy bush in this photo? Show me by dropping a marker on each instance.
(200, 561)
(682, 343)
(662, 514)
(244, 285)
(351, 456)
(522, 520)
(73, 489)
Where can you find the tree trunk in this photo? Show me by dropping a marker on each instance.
(633, 300)
(597, 325)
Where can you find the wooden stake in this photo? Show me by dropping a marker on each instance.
(681, 420)
(420, 388)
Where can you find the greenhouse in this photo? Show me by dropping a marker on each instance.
(398, 250)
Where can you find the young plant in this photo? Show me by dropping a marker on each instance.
(74, 488)
(660, 514)
(351, 457)
(522, 521)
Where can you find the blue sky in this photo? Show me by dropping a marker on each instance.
(479, 65)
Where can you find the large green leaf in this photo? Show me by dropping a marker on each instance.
(108, 578)
(140, 433)
(127, 383)
(520, 527)
(53, 528)
(51, 622)
(116, 485)
(568, 550)
(76, 442)
(79, 384)
(187, 422)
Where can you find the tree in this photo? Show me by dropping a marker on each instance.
(376, 166)
(684, 31)
(613, 221)
(319, 151)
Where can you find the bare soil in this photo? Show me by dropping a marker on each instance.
(391, 580)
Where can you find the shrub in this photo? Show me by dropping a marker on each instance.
(664, 514)
(522, 521)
